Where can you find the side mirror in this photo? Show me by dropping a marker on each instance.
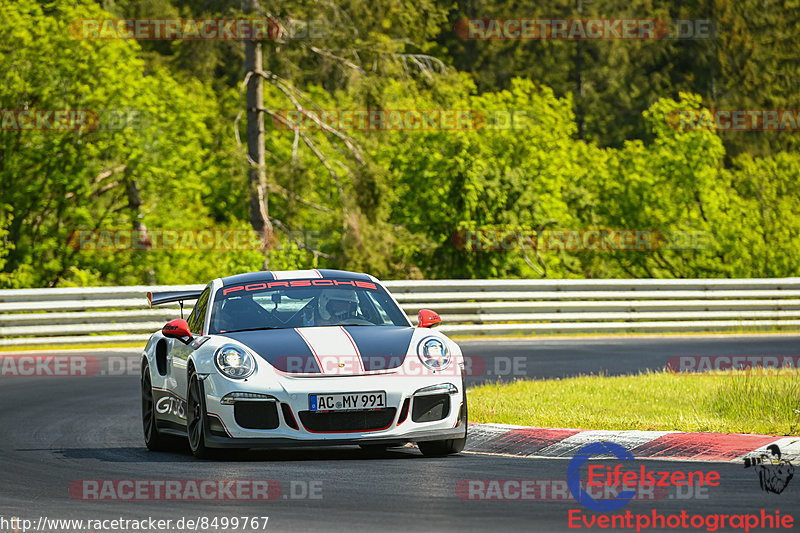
(428, 318)
(177, 329)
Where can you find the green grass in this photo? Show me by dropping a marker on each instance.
(734, 402)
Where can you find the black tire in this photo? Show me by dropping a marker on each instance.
(195, 418)
(439, 448)
(153, 439)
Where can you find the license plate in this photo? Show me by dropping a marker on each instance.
(347, 401)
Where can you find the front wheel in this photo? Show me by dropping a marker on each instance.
(439, 448)
(195, 417)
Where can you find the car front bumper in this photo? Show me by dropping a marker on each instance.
(224, 429)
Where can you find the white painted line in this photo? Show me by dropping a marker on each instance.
(790, 449)
(627, 439)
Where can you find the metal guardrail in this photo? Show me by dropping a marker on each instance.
(468, 307)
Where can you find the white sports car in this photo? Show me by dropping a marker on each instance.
(301, 358)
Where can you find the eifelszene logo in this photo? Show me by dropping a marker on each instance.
(629, 478)
(574, 476)
(774, 472)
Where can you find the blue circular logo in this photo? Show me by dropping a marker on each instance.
(574, 477)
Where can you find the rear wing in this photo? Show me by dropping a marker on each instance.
(160, 298)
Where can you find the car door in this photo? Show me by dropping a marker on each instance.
(180, 352)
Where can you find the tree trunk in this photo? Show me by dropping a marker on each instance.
(580, 104)
(257, 174)
(139, 228)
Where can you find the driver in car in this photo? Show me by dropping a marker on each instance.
(335, 306)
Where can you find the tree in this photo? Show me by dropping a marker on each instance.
(145, 162)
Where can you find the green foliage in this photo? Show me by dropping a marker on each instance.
(762, 228)
(749, 62)
(592, 144)
(55, 182)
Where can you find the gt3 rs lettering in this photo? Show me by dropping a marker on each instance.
(300, 283)
(171, 405)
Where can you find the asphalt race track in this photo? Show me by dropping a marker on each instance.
(558, 358)
(58, 431)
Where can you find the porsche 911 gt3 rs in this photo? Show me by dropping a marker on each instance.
(301, 358)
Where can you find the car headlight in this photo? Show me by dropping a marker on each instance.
(234, 362)
(434, 353)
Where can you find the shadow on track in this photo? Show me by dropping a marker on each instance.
(142, 455)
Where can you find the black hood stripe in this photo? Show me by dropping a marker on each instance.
(381, 347)
(284, 349)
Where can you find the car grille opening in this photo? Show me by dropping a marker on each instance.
(256, 415)
(215, 426)
(288, 417)
(430, 408)
(335, 421)
(403, 412)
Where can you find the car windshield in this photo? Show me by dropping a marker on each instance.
(298, 303)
